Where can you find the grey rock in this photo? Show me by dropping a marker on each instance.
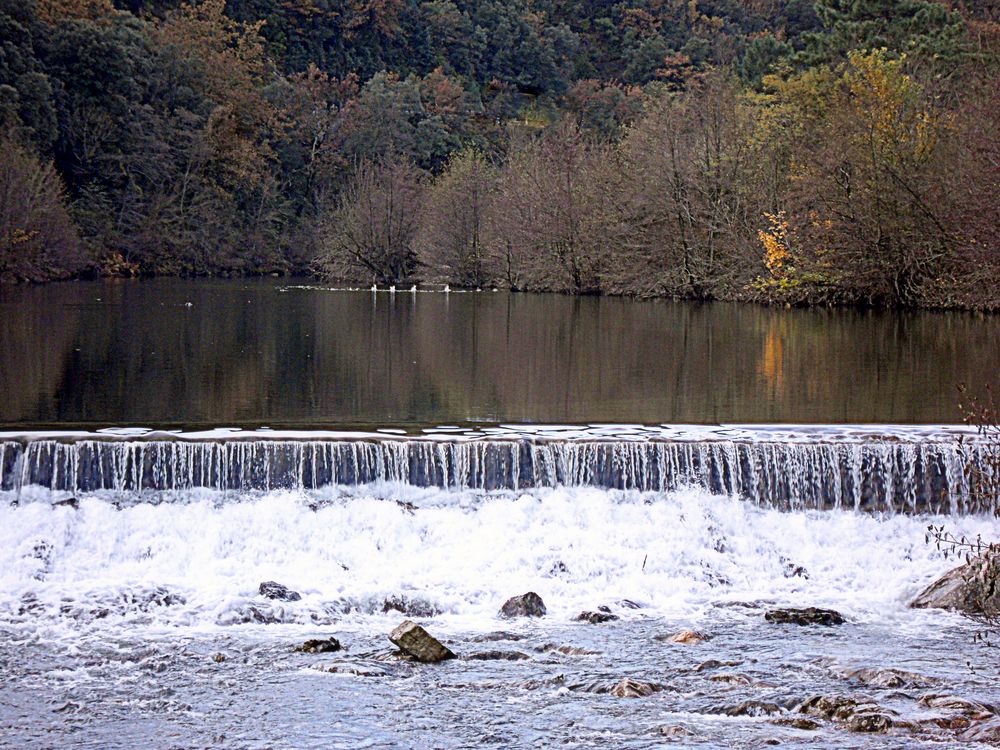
(410, 607)
(498, 656)
(869, 721)
(525, 605)
(797, 723)
(753, 708)
(419, 644)
(806, 616)
(595, 618)
(888, 678)
(319, 646)
(972, 589)
(274, 590)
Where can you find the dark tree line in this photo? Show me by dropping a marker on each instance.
(840, 152)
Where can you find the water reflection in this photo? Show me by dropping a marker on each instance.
(197, 352)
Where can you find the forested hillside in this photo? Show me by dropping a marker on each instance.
(841, 152)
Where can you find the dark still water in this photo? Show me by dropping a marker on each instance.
(263, 352)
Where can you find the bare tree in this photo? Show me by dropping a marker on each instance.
(547, 221)
(452, 243)
(692, 191)
(371, 234)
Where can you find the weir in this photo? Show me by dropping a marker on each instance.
(874, 474)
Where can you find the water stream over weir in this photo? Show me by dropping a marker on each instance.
(895, 470)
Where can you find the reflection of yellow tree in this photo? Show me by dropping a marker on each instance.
(772, 360)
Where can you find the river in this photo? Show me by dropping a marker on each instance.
(168, 445)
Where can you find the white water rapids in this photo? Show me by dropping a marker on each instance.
(133, 617)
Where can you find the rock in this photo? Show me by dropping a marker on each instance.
(69, 502)
(797, 723)
(715, 664)
(525, 605)
(410, 607)
(987, 732)
(219, 658)
(833, 706)
(674, 731)
(319, 646)
(688, 637)
(731, 678)
(629, 688)
(869, 721)
(418, 643)
(499, 635)
(595, 618)
(888, 678)
(972, 709)
(807, 616)
(753, 708)
(357, 670)
(629, 604)
(498, 656)
(273, 590)
(567, 650)
(558, 569)
(972, 589)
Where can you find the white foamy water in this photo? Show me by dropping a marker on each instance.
(195, 560)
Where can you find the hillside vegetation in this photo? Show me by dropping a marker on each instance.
(842, 152)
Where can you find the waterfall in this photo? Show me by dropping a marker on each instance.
(890, 475)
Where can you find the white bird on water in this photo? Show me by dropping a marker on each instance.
(374, 287)
(392, 289)
(447, 288)
(413, 289)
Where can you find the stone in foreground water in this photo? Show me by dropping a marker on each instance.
(807, 616)
(275, 590)
(418, 643)
(525, 605)
(972, 589)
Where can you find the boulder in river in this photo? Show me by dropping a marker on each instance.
(274, 590)
(629, 688)
(888, 678)
(410, 607)
(419, 644)
(753, 708)
(688, 637)
(806, 616)
(525, 605)
(497, 655)
(319, 646)
(595, 618)
(972, 589)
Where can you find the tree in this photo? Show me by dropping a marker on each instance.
(371, 234)
(452, 243)
(37, 238)
(547, 218)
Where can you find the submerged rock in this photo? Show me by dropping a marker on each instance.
(498, 656)
(971, 709)
(629, 688)
(595, 618)
(752, 708)
(416, 642)
(806, 616)
(319, 646)
(525, 605)
(888, 678)
(686, 637)
(796, 723)
(705, 666)
(410, 607)
(566, 650)
(69, 502)
(357, 670)
(498, 635)
(987, 732)
(834, 706)
(274, 590)
(972, 589)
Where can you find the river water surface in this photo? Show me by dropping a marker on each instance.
(439, 453)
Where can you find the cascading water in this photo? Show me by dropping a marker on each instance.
(874, 473)
(132, 614)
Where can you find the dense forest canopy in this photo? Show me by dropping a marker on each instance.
(838, 151)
